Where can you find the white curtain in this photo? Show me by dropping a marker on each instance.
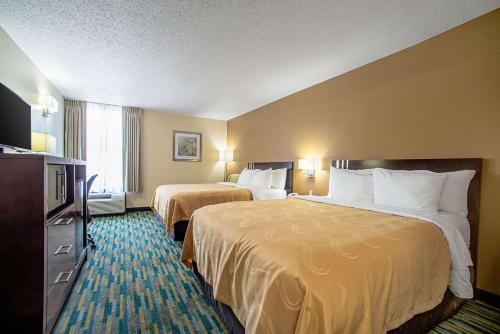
(105, 147)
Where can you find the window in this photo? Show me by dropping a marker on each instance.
(105, 147)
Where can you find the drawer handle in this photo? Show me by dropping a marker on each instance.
(60, 279)
(63, 249)
(63, 221)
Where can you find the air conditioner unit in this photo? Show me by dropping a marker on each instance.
(105, 204)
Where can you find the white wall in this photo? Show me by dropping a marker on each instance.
(23, 77)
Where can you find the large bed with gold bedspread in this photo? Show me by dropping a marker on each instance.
(297, 266)
(312, 264)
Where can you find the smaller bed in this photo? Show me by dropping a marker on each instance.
(175, 203)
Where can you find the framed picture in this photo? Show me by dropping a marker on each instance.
(187, 146)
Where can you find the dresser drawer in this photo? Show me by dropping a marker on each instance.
(60, 238)
(61, 261)
(59, 267)
(61, 248)
(58, 290)
(61, 234)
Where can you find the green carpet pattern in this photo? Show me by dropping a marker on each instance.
(134, 283)
(474, 317)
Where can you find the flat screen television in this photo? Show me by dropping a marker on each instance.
(15, 120)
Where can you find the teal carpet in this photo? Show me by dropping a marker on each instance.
(134, 283)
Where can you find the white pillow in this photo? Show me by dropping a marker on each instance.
(262, 178)
(246, 176)
(357, 171)
(415, 190)
(454, 197)
(351, 185)
(279, 178)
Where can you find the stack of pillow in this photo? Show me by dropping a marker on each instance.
(418, 190)
(267, 178)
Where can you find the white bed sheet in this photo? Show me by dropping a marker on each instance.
(460, 222)
(461, 260)
(259, 194)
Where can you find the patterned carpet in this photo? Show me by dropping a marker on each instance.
(473, 317)
(134, 283)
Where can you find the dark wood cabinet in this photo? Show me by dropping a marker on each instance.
(41, 250)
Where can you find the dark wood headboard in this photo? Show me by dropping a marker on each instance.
(277, 165)
(436, 165)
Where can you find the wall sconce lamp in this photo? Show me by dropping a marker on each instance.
(48, 104)
(309, 165)
(226, 156)
(43, 142)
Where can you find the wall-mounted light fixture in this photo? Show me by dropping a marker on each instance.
(43, 142)
(48, 104)
(309, 165)
(226, 156)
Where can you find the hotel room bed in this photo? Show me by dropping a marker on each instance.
(313, 264)
(176, 203)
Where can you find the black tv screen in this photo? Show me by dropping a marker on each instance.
(15, 120)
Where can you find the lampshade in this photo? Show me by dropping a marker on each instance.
(48, 104)
(226, 155)
(307, 164)
(229, 155)
(43, 142)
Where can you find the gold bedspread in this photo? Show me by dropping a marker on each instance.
(175, 202)
(294, 266)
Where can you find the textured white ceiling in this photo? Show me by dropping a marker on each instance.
(221, 58)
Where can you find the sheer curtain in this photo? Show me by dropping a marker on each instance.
(105, 147)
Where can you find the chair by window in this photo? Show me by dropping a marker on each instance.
(89, 217)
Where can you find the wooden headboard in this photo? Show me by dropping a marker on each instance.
(436, 165)
(277, 165)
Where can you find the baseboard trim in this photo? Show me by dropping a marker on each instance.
(140, 208)
(488, 297)
(109, 214)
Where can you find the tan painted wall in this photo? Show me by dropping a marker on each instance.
(438, 99)
(157, 166)
(24, 78)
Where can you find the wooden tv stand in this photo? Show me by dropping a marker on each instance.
(42, 252)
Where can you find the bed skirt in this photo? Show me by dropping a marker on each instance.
(421, 323)
(179, 230)
(224, 312)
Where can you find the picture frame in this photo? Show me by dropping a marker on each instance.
(187, 146)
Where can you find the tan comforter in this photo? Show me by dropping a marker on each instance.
(294, 266)
(175, 202)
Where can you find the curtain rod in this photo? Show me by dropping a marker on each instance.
(108, 104)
